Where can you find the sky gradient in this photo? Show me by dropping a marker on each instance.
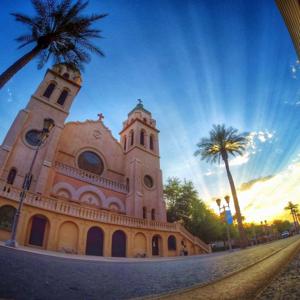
(194, 64)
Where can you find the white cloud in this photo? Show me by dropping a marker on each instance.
(209, 173)
(10, 95)
(295, 69)
(240, 160)
(254, 140)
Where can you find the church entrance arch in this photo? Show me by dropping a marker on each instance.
(156, 245)
(118, 247)
(38, 230)
(94, 242)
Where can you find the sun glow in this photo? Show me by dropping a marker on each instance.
(265, 199)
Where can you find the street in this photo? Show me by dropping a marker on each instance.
(25, 275)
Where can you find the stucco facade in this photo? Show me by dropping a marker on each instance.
(89, 193)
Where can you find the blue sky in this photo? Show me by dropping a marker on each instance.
(194, 64)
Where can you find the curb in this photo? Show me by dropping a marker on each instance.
(244, 284)
(91, 258)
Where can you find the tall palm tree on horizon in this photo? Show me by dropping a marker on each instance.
(58, 30)
(294, 212)
(221, 143)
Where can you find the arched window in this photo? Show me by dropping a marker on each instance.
(142, 137)
(125, 142)
(171, 242)
(11, 176)
(144, 212)
(151, 142)
(91, 162)
(49, 90)
(127, 183)
(153, 214)
(131, 137)
(62, 98)
(7, 214)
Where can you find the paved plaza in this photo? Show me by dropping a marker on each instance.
(26, 275)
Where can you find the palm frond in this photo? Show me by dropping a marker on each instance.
(43, 58)
(89, 46)
(24, 19)
(221, 141)
(25, 40)
(40, 7)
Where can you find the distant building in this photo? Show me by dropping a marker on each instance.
(290, 10)
(90, 193)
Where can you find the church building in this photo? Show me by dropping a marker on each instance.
(89, 193)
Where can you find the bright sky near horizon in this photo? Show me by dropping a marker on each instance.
(194, 64)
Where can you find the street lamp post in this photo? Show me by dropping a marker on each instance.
(223, 210)
(48, 126)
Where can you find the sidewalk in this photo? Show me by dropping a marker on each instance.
(243, 284)
(99, 258)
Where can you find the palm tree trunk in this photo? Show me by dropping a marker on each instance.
(295, 219)
(18, 65)
(243, 237)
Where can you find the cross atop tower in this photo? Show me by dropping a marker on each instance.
(140, 101)
(100, 116)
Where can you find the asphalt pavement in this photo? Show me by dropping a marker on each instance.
(25, 275)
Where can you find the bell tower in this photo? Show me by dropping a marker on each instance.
(51, 100)
(139, 139)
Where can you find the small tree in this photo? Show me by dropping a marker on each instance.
(184, 204)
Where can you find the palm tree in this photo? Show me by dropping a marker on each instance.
(221, 143)
(58, 30)
(234, 217)
(294, 211)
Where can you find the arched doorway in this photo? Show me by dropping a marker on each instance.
(68, 237)
(118, 247)
(156, 245)
(94, 242)
(38, 230)
(172, 243)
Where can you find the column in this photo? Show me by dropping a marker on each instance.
(149, 244)
(23, 227)
(130, 243)
(53, 233)
(83, 229)
(107, 241)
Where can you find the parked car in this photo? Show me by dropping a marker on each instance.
(285, 234)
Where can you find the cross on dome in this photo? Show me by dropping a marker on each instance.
(101, 116)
